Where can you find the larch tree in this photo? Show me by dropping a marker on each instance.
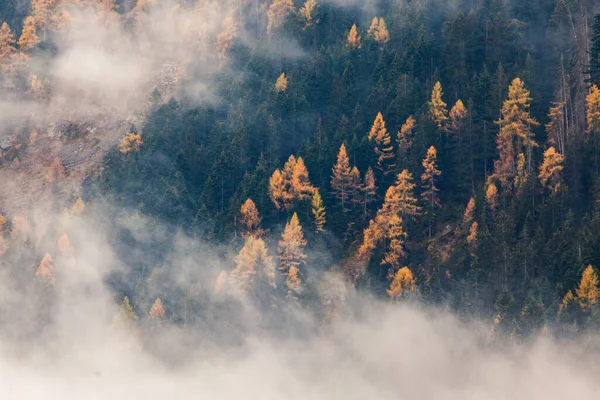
(557, 132)
(254, 265)
(278, 11)
(132, 142)
(291, 246)
(290, 185)
(318, 211)
(405, 139)
(491, 195)
(301, 186)
(378, 31)
(293, 284)
(469, 213)
(41, 11)
(437, 108)
(226, 38)
(157, 311)
(428, 180)
(308, 13)
(373, 27)
(383, 145)
(593, 122)
(404, 284)
(278, 192)
(341, 180)
(354, 40)
(588, 291)
(455, 128)
(7, 42)
(368, 192)
(250, 219)
(281, 84)
(127, 317)
(551, 170)
(396, 237)
(64, 246)
(29, 39)
(516, 132)
(45, 271)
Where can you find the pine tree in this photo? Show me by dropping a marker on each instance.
(354, 40)
(293, 284)
(551, 170)
(277, 14)
(281, 84)
(318, 211)
(437, 108)
(378, 31)
(405, 139)
(278, 192)
(290, 185)
(588, 291)
(45, 271)
(291, 246)
(157, 311)
(308, 13)
(250, 219)
(395, 250)
(428, 178)
(515, 128)
(29, 39)
(302, 189)
(404, 284)
(7, 41)
(383, 145)
(254, 266)
(341, 179)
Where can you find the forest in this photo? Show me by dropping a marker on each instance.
(420, 151)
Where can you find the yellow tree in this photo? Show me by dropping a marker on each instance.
(253, 265)
(278, 192)
(403, 284)
(293, 284)
(383, 145)
(437, 108)
(557, 133)
(588, 292)
(308, 13)
(428, 178)
(291, 184)
(368, 192)
(127, 317)
(593, 121)
(132, 142)
(281, 84)
(378, 31)
(45, 270)
(341, 180)
(7, 42)
(405, 138)
(395, 249)
(226, 38)
(551, 170)
(491, 195)
(41, 11)
(469, 211)
(291, 246)
(522, 174)
(64, 246)
(157, 311)
(515, 131)
(250, 219)
(29, 39)
(318, 211)
(301, 187)
(277, 14)
(354, 40)
(78, 207)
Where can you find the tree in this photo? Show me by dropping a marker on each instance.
(45, 270)
(293, 284)
(588, 291)
(29, 39)
(250, 219)
(551, 169)
(491, 195)
(301, 186)
(38, 90)
(277, 13)
(41, 11)
(226, 38)
(428, 178)
(290, 185)
(278, 192)
(383, 145)
(515, 129)
(437, 108)
(127, 317)
(78, 207)
(307, 13)
(64, 245)
(132, 142)
(291, 246)
(469, 211)
(157, 311)
(368, 192)
(57, 171)
(341, 179)
(281, 84)
(318, 211)
(7, 41)
(593, 122)
(395, 250)
(378, 31)
(403, 284)
(254, 266)
(405, 138)
(354, 40)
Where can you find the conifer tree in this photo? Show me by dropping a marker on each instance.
(383, 145)
(395, 250)
(290, 185)
(522, 174)
(29, 39)
(318, 211)
(157, 311)
(281, 84)
(428, 178)
(64, 246)
(354, 40)
(405, 139)
(127, 317)
(469, 211)
(277, 191)
(7, 41)
(593, 122)
(250, 219)
(254, 265)
(45, 271)
(437, 108)
(277, 14)
(368, 192)
(588, 291)
(378, 31)
(551, 170)
(291, 246)
(308, 13)
(78, 207)
(41, 11)
(226, 38)
(293, 284)
(491, 195)
(302, 189)
(515, 129)
(404, 284)
(341, 180)
(372, 31)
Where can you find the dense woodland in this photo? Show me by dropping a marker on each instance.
(448, 156)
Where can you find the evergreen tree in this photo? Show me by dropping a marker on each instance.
(341, 180)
